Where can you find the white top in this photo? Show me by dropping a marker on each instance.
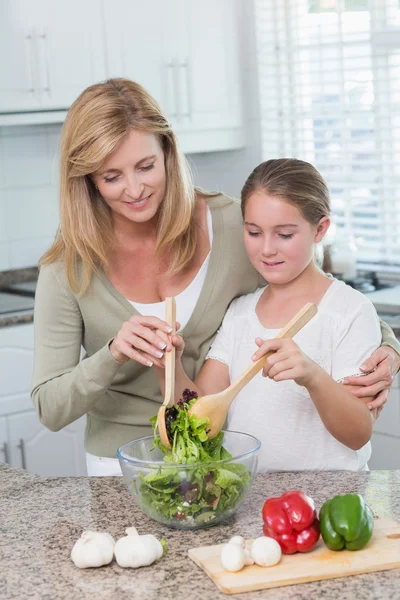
(282, 415)
(186, 300)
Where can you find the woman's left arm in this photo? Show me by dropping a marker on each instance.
(382, 366)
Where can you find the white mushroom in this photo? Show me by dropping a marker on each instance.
(266, 551)
(233, 557)
(237, 539)
(248, 559)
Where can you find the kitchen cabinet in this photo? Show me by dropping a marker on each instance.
(186, 54)
(38, 450)
(24, 441)
(4, 456)
(386, 437)
(51, 51)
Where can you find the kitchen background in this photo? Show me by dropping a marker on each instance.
(241, 81)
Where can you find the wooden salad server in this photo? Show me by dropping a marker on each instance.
(169, 397)
(215, 406)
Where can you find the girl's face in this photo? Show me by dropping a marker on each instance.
(278, 239)
(132, 179)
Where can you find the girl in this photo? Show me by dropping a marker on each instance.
(303, 415)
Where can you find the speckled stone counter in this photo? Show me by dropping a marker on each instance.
(10, 278)
(16, 318)
(40, 519)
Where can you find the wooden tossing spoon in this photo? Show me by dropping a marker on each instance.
(169, 397)
(215, 406)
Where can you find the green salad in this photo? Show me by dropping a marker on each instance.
(200, 494)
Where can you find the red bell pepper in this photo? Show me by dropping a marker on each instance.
(291, 519)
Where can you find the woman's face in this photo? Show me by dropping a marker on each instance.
(132, 179)
(278, 239)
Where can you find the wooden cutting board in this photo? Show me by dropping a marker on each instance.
(381, 554)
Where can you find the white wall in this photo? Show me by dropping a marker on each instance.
(28, 193)
(29, 166)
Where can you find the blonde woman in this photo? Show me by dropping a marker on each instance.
(134, 230)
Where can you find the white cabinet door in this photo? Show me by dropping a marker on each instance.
(51, 51)
(210, 65)
(389, 420)
(385, 452)
(28, 443)
(18, 66)
(186, 54)
(70, 49)
(16, 367)
(4, 447)
(134, 32)
(386, 437)
(40, 451)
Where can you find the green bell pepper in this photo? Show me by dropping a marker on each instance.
(346, 522)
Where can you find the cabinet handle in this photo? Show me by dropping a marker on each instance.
(172, 67)
(29, 61)
(4, 450)
(186, 69)
(44, 37)
(21, 447)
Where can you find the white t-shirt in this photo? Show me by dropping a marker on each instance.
(282, 415)
(186, 300)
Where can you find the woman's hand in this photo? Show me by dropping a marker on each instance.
(140, 339)
(287, 362)
(175, 340)
(386, 363)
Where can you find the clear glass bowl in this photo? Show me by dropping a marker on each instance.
(194, 495)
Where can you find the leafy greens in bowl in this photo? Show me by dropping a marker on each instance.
(197, 484)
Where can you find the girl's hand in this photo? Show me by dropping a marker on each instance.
(287, 362)
(386, 363)
(140, 339)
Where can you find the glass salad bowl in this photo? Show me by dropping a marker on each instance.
(189, 496)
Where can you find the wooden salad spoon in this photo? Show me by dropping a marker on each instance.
(215, 406)
(169, 397)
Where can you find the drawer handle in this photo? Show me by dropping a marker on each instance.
(4, 450)
(21, 447)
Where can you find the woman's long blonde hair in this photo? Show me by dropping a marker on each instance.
(96, 124)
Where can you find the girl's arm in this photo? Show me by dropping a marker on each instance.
(346, 418)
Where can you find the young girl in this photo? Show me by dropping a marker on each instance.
(303, 415)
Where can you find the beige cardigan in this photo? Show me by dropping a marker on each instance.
(119, 399)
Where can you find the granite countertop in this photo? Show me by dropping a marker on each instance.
(21, 283)
(40, 519)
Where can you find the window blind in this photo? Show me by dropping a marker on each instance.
(329, 81)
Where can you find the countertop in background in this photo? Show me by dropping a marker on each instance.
(41, 518)
(17, 291)
(21, 284)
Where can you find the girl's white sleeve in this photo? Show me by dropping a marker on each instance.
(222, 345)
(358, 336)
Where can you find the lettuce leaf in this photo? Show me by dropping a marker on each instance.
(202, 494)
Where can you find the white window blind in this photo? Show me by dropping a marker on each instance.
(329, 78)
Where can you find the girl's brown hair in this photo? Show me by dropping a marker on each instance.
(96, 123)
(294, 181)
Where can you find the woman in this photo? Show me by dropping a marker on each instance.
(133, 230)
